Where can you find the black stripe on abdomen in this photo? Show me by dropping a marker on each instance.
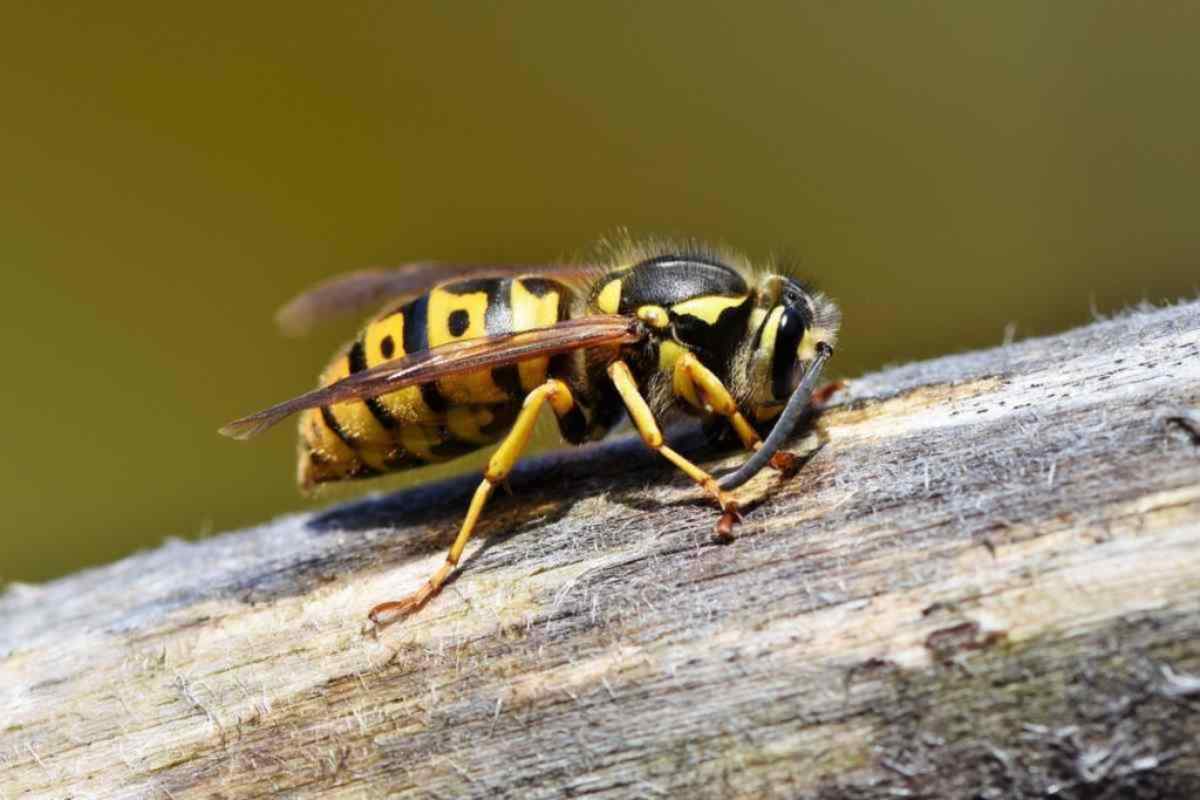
(416, 339)
(358, 362)
(335, 426)
(361, 468)
(508, 380)
(450, 447)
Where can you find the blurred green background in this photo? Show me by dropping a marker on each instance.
(172, 172)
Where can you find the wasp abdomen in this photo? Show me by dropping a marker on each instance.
(435, 421)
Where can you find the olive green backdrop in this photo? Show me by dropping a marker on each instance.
(171, 172)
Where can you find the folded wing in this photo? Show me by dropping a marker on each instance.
(455, 358)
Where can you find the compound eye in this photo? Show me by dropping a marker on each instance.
(785, 367)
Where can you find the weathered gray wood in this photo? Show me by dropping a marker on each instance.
(986, 583)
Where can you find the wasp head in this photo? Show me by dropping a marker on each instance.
(787, 326)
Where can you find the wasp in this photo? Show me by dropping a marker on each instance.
(650, 329)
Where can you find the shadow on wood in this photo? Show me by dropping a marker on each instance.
(986, 584)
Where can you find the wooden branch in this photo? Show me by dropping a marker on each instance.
(986, 584)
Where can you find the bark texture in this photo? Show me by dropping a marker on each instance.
(984, 583)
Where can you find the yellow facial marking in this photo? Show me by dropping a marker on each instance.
(707, 308)
(757, 315)
(654, 316)
(767, 345)
(807, 350)
(609, 299)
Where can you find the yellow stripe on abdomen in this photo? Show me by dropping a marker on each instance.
(436, 421)
(453, 317)
(383, 340)
(355, 423)
(467, 424)
(323, 454)
(533, 309)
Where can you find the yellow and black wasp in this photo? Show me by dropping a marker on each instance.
(470, 362)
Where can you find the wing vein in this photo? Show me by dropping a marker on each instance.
(455, 358)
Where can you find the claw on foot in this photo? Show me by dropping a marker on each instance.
(730, 516)
(399, 609)
(385, 614)
(823, 395)
(785, 463)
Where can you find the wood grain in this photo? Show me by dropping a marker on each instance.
(986, 582)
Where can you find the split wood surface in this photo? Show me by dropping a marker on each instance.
(985, 583)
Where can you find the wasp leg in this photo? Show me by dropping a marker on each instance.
(501, 463)
(691, 375)
(643, 420)
(822, 396)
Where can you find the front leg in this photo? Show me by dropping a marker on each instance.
(647, 426)
(696, 383)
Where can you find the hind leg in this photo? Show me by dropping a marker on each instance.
(499, 466)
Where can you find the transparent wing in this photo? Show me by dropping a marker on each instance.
(362, 291)
(455, 358)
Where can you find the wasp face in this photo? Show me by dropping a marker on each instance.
(790, 322)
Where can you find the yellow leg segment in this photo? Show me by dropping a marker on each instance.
(643, 420)
(499, 466)
(714, 394)
(694, 380)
